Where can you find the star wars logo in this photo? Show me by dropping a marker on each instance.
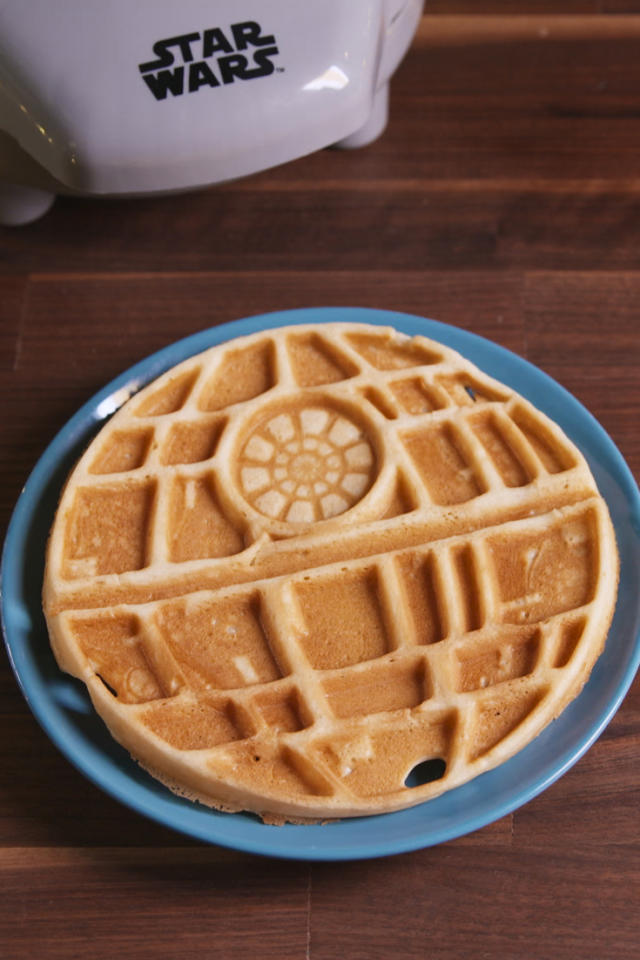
(191, 61)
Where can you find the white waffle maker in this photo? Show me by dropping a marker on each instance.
(130, 98)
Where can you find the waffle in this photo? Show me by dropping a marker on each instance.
(328, 571)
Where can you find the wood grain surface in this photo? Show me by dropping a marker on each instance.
(504, 198)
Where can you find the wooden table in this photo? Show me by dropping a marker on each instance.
(503, 198)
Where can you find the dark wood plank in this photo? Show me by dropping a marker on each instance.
(13, 294)
(436, 225)
(198, 904)
(462, 902)
(620, 6)
(584, 330)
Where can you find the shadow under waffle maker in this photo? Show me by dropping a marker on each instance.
(124, 99)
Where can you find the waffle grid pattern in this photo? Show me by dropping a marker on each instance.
(301, 660)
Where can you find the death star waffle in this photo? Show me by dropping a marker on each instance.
(326, 571)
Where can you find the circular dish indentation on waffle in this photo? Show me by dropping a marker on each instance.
(305, 463)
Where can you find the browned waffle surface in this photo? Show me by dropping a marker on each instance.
(324, 571)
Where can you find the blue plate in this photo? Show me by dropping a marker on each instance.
(62, 706)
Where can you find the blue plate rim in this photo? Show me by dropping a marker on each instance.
(123, 780)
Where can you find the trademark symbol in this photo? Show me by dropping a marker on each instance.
(279, 69)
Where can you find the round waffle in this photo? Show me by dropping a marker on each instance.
(326, 571)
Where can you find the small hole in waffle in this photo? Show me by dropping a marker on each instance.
(426, 772)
